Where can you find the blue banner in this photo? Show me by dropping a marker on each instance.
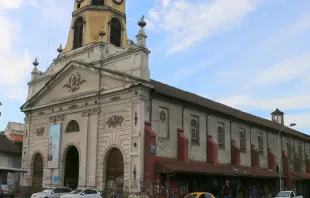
(53, 146)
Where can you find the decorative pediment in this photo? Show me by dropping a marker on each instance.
(79, 80)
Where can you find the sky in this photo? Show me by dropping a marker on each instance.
(253, 55)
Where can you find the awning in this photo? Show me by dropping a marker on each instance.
(11, 170)
(168, 165)
(300, 176)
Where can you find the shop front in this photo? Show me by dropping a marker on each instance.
(220, 180)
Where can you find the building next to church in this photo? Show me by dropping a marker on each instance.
(11, 140)
(95, 116)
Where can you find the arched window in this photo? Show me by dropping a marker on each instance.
(115, 32)
(78, 33)
(73, 126)
(221, 137)
(194, 132)
(97, 2)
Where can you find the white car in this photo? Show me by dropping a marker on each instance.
(287, 194)
(83, 193)
(52, 192)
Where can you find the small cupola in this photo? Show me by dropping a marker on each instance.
(277, 116)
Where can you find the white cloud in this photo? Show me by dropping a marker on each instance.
(301, 120)
(15, 67)
(9, 4)
(17, 93)
(289, 69)
(188, 23)
(184, 72)
(271, 103)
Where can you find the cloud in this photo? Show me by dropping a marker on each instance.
(17, 93)
(184, 72)
(50, 7)
(188, 23)
(15, 67)
(287, 70)
(270, 103)
(301, 120)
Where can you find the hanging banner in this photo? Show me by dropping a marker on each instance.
(53, 146)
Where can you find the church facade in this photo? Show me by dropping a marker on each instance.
(95, 116)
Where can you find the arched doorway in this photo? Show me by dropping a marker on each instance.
(71, 174)
(37, 173)
(114, 172)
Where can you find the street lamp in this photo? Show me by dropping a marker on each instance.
(279, 153)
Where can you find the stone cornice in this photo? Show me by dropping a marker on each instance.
(100, 8)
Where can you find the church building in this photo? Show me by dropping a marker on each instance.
(95, 119)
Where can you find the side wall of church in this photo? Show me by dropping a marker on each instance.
(180, 115)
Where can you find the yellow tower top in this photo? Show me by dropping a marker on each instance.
(89, 16)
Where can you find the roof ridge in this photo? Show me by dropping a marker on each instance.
(160, 87)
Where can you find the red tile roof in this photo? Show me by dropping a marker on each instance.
(174, 165)
(16, 137)
(8, 146)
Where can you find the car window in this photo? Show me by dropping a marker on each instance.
(92, 192)
(89, 192)
(65, 190)
(57, 190)
(283, 194)
(76, 191)
(48, 190)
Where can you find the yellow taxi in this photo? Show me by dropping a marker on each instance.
(199, 195)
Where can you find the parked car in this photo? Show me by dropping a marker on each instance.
(52, 192)
(87, 192)
(287, 194)
(7, 190)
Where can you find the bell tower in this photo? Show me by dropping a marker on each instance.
(89, 16)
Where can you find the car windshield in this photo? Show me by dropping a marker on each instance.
(191, 196)
(48, 190)
(283, 194)
(76, 191)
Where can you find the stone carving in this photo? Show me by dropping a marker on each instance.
(129, 45)
(86, 113)
(107, 51)
(53, 119)
(41, 113)
(115, 98)
(40, 131)
(75, 82)
(60, 117)
(95, 110)
(72, 106)
(114, 121)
